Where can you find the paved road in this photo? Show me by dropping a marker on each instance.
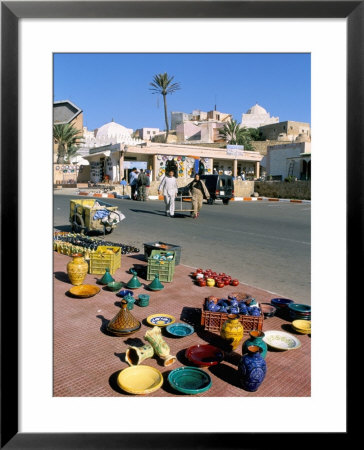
(263, 244)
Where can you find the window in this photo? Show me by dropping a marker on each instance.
(148, 132)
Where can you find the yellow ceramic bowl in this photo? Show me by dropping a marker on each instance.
(302, 326)
(84, 290)
(140, 379)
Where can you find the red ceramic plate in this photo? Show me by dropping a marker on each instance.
(204, 355)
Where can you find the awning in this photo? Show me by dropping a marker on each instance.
(104, 153)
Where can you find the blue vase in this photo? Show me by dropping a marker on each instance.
(256, 338)
(252, 369)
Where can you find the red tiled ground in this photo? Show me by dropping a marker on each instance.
(87, 360)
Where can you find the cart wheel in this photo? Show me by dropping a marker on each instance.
(210, 201)
(108, 230)
(226, 201)
(78, 224)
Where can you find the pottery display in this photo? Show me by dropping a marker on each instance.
(161, 348)
(161, 320)
(106, 278)
(204, 355)
(299, 311)
(210, 282)
(124, 323)
(232, 330)
(256, 338)
(210, 278)
(180, 329)
(134, 283)
(189, 380)
(267, 309)
(280, 340)
(252, 369)
(156, 285)
(136, 355)
(77, 269)
(140, 379)
(84, 290)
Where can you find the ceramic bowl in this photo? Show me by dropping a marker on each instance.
(125, 292)
(84, 290)
(204, 355)
(302, 326)
(140, 379)
(161, 320)
(114, 286)
(180, 329)
(280, 340)
(281, 302)
(189, 380)
(299, 308)
(267, 309)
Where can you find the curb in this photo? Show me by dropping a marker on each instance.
(235, 199)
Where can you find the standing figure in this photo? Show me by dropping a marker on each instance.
(133, 181)
(169, 188)
(143, 181)
(199, 191)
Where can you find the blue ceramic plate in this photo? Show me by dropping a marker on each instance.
(190, 380)
(281, 302)
(125, 292)
(180, 329)
(161, 320)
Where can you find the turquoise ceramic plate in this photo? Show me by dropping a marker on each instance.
(300, 308)
(189, 380)
(180, 329)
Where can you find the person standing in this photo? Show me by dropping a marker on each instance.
(133, 181)
(169, 188)
(143, 181)
(198, 190)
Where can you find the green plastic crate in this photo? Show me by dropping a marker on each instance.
(165, 269)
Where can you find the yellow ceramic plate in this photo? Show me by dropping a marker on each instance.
(140, 379)
(302, 326)
(161, 320)
(84, 290)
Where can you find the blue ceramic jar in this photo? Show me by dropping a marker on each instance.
(252, 369)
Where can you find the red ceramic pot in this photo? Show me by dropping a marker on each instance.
(226, 281)
(214, 274)
(234, 282)
(199, 270)
(220, 284)
(194, 274)
(202, 282)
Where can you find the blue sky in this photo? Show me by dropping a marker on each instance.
(115, 86)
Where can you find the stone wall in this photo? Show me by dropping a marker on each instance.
(243, 188)
(280, 189)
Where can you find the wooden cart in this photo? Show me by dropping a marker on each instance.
(82, 213)
(183, 204)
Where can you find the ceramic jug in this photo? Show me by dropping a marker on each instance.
(136, 355)
(252, 369)
(256, 338)
(232, 330)
(161, 348)
(77, 269)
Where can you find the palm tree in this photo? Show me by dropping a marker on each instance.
(162, 84)
(67, 137)
(236, 135)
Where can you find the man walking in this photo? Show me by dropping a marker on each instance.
(133, 181)
(169, 188)
(143, 181)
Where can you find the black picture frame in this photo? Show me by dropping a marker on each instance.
(11, 12)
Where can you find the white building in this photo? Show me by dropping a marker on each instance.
(256, 117)
(292, 159)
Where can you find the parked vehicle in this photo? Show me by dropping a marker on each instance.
(220, 187)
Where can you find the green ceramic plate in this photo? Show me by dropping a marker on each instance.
(190, 380)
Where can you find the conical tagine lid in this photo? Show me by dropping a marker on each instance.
(156, 285)
(124, 322)
(107, 278)
(134, 283)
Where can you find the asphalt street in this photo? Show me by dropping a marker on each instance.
(263, 244)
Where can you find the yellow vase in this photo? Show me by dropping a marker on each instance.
(232, 330)
(77, 269)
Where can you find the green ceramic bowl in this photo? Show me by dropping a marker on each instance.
(114, 286)
(190, 380)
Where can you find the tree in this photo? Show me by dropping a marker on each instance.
(162, 84)
(236, 135)
(68, 139)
